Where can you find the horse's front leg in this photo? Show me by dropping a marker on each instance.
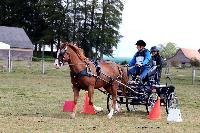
(90, 95)
(76, 95)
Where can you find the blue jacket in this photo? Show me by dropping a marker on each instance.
(145, 53)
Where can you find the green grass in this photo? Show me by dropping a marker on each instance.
(32, 102)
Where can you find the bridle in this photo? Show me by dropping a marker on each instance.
(63, 54)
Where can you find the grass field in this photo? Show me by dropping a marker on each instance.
(33, 102)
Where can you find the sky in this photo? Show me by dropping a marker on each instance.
(159, 22)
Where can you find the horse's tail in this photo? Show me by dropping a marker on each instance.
(124, 79)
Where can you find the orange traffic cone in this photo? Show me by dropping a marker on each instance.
(155, 111)
(88, 109)
(68, 106)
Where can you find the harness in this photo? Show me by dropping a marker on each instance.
(87, 71)
(80, 74)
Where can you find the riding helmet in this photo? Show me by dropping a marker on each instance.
(154, 49)
(141, 43)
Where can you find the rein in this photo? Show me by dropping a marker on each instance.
(112, 79)
(75, 64)
(87, 63)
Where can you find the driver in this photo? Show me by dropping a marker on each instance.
(140, 61)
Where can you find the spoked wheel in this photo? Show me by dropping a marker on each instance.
(130, 107)
(153, 97)
(171, 102)
(109, 102)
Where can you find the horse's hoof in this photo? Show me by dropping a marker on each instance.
(72, 116)
(98, 109)
(118, 110)
(109, 116)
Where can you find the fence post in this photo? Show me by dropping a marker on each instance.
(193, 74)
(43, 60)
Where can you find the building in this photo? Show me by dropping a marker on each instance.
(183, 56)
(21, 47)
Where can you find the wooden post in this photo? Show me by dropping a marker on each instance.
(193, 74)
(9, 61)
(43, 60)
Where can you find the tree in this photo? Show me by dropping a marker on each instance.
(89, 23)
(169, 50)
(195, 62)
(67, 29)
(25, 14)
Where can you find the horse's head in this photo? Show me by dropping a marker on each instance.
(67, 53)
(62, 56)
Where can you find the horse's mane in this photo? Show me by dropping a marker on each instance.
(77, 50)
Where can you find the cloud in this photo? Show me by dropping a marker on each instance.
(159, 22)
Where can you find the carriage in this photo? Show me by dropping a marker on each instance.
(140, 93)
(88, 75)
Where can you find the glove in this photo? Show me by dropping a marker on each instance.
(138, 65)
(126, 65)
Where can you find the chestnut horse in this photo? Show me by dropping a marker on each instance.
(84, 75)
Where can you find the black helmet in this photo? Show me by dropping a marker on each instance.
(141, 43)
(154, 49)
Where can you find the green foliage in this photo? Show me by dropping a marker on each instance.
(90, 24)
(124, 62)
(119, 60)
(46, 58)
(169, 50)
(195, 62)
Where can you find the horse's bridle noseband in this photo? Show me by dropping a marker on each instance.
(62, 53)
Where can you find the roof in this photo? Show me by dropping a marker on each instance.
(189, 53)
(15, 37)
(4, 46)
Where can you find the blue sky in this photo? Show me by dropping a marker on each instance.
(159, 22)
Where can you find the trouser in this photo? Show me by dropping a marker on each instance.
(141, 71)
(159, 74)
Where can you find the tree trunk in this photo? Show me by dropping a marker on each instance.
(102, 30)
(74, 24)
(52, 49)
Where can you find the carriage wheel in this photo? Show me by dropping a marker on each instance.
(129, 106)
(109, 102)
(153, 97)
(171, 102)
